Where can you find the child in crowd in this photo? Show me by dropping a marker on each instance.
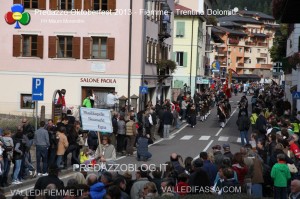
(85, 156)
(281, 174)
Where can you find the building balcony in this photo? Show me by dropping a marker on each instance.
(165, 31)
(240, 64)
(262, 44)
(233, 41)
(250, 43)
(263, 55)
(266, 66)
(247, 54)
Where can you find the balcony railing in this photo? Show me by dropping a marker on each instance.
(233, 41)
(250, 43)
(263, 55)
(268, 66)
(262, 44)
(240, 64)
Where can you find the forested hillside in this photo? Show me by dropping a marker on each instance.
(251, 5)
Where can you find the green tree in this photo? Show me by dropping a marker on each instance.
(278, 50)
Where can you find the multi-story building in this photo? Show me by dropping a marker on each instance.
(247, 38)
(83, 45)
(191, 45)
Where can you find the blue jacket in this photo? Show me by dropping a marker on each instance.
(97, 191)
(142, 145)
(211, 170)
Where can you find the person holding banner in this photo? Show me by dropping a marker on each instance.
(105, 152)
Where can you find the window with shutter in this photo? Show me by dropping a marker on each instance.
(99, 48)
(40, 46)
(16, 45)
(76, 47)
(77, 4)
(180, 29)
(53, 4)
(42, 4)
(179, 58)
(31, 4)
(86, 49)
(17, 2)
(29, 45)
(65, 47)
(104, 5)
(111, 48)
(52, 46)
(87, 4)
(66, 4)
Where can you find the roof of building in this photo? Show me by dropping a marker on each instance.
(180, 7)
(219, 29)
(230, 23)
(256, 13)
(238, 18)
(259, 34)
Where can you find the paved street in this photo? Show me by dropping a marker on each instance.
(185, 141)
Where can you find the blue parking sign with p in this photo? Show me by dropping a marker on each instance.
(37, 89)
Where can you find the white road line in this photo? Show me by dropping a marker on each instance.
(208, 145)
(186, 137)
(204, 137)
(222, 138)
(219, 132)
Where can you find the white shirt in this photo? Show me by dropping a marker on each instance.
(111, 99)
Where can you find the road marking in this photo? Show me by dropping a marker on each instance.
(158, 141)
(222, 138)
(218, 133)
(208, 145)
(239, 140)
(204, 137)
(186, 137)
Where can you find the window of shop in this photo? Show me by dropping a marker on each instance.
(26, 102)
(28, 46)
(100, 95)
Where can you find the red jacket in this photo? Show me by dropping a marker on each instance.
(241, 172)
(182, 188)
(295, 149)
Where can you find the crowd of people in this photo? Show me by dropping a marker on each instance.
(266, 165)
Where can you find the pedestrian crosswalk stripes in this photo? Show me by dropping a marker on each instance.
(203, 137)
(222, 138)
(186, 137)
(207, 137)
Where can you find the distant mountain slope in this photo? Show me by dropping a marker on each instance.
(251, 5)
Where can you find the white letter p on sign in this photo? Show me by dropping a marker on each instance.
(37, 83)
